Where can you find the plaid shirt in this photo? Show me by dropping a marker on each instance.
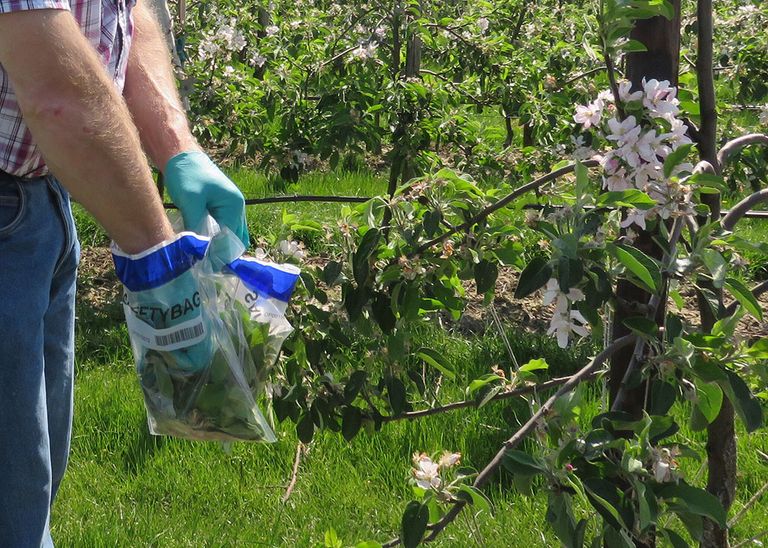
(108, 27)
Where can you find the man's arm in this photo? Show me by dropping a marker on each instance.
(195, 184)
(151, 94)
(81, 124)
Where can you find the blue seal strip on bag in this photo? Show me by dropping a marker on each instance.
(272, 280)
(159, 264)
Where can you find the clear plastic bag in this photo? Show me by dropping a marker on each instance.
(203, 375)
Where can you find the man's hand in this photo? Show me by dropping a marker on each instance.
(198, 188)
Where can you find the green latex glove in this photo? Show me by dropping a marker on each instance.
(198, 188)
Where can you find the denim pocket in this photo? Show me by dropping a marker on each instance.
(12, 205)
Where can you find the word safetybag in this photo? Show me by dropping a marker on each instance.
(206, 326)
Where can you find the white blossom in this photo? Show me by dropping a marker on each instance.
(564, 323)
(291, 249)
(257, 60)
(365, 51)
(636, 217)
(425, 472)
(449, 460)
(272, 30)
(483, 24)
(628, 96)
(660, 99)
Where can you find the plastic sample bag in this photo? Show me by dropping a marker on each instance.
(206, 326)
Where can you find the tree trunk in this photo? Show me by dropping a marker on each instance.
(661, 61)
(721, 434)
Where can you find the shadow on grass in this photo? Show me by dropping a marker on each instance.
(140, 449)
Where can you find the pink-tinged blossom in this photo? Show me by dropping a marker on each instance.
(617, 181)
(623, 132)
(639, 150)
(589, 115)
(610, 163)
(636, 217)
(660, 99)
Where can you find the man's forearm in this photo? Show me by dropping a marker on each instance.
(81, 125)
(151, 94)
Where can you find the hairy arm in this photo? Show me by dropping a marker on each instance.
(81, 124)
(151, 94)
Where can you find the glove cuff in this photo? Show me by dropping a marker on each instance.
(160, 263)
(177, 162)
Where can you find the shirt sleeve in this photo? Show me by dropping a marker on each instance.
(9, 6)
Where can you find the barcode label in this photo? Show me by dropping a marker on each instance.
(183, 335)
(173, 338)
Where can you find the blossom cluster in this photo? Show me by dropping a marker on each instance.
(427, 473)
(565, 320)
(638, 144)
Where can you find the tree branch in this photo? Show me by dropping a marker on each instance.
(506, 200)
(732, 147)
(515, 392)
(486, 473)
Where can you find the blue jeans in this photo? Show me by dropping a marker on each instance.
(39, 253)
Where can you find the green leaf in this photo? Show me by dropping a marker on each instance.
(521, 463)
(675, 539)
(716, 265)
(381, 307)
(697, 501)
(361, 258)
(605, 497)
(487, 393)
(639, 264)
(354, 385)
(332, 539)
(745, 297)
(675, 158)
(486, 273)
(414, 524)
(528, 371)
(534, 276)
(331, 272)
(305, 428)
(351, 421)
(475, 497)
(642, 326)
(398, 398)
(438, 361)
(560, 517)
(710, 399)
(632, 46)
(747, 406)
(626, 198)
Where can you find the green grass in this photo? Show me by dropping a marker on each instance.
(127, 488)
